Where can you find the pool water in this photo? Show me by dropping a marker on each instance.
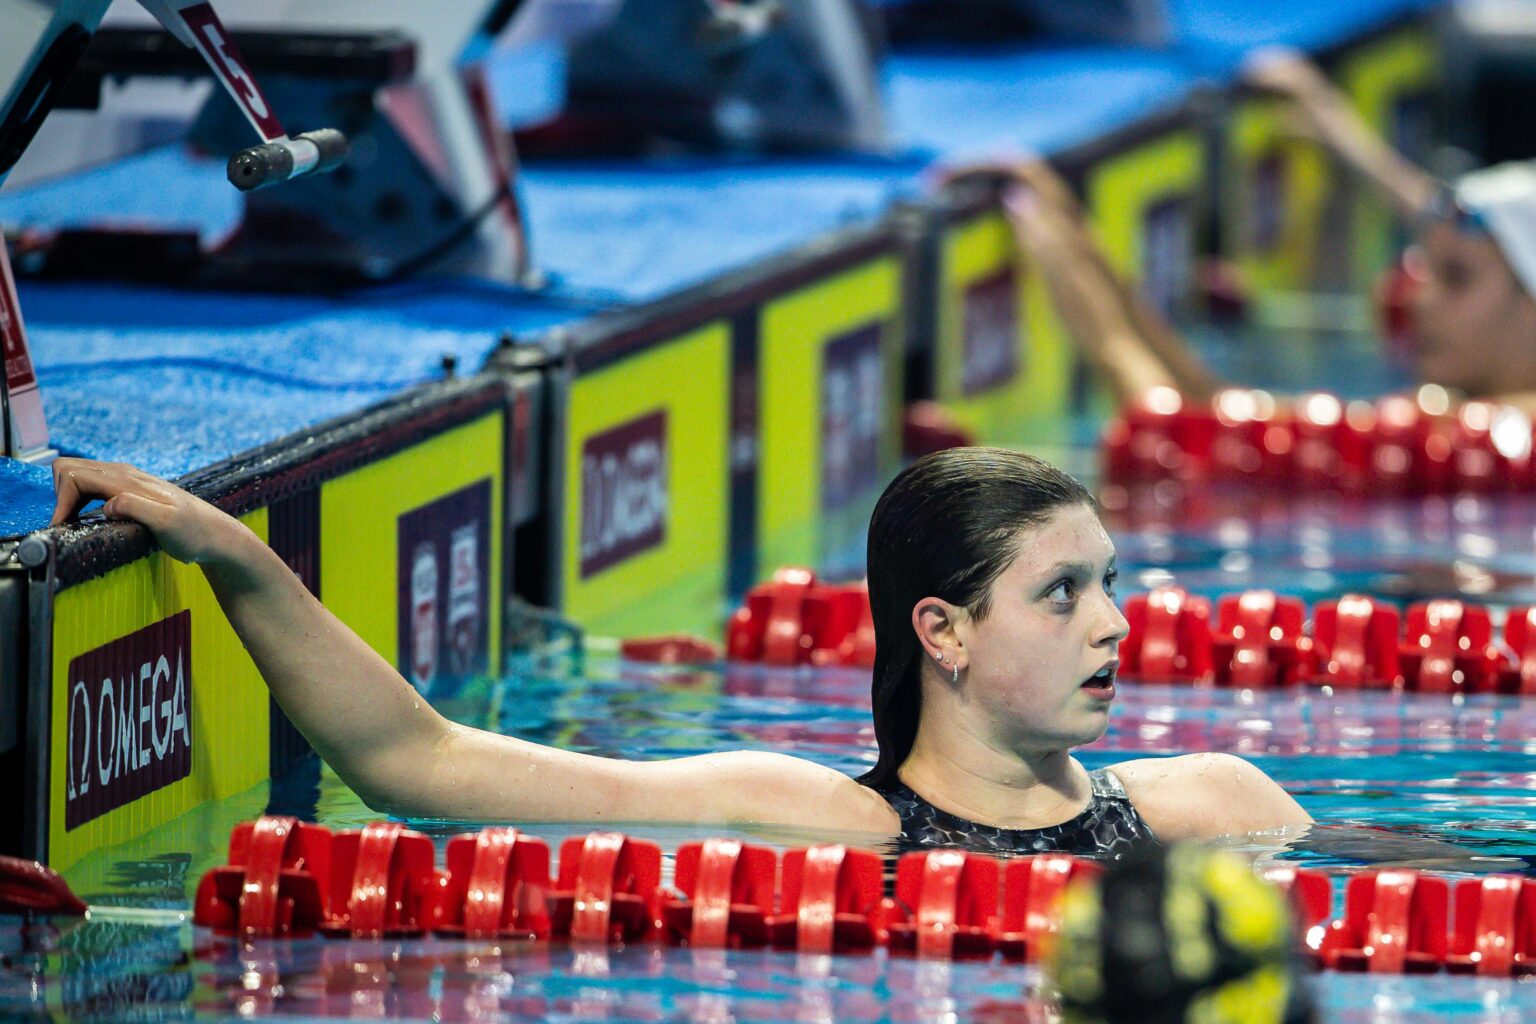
(1422, 780)
(1441, 784)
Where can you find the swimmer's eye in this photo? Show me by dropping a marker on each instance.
(1110, 579)
(1062, 592)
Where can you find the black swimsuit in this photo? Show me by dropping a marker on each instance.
(1106, 829)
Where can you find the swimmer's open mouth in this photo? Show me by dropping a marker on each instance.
(1103, 680)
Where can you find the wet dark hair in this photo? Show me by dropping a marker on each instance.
(946, 527)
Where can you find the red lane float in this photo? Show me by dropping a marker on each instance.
(1032, 891)
(795, 620)
(1356, 642)
(1449, 649)
(1169, 639)
(728, 890)
(831, 901)
(1311, 895)
(1394, 923)
(607, 890)
(497, 884)
(951, 902)
(277, 881)
(1258, 641)
(1495, 927)
(383, 884)
(1520, 638)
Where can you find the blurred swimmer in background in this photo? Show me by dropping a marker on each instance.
(1474, 261)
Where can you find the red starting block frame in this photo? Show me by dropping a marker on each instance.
(727, 890)
(383, 884)
(1259, 642)
(1495, 927)
(277, 882)
(498, 885)
(1394, 923)
(1032, 891)
(1169, 639)
(950, 898)
(607, 890)
(831, 901)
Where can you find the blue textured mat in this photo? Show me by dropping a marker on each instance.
(173, 381)
(1215, 35)
(26, 497)
(956, 105)
(632, 232)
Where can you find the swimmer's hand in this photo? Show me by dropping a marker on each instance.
(1288, 73)
(1033, 172)
(186, 527)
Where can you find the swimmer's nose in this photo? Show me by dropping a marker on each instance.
(1114, 627)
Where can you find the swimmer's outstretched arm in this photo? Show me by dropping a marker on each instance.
(1333, 119)
(394, 749)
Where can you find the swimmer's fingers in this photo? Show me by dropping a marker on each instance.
(176, 518)
(1049, 185)
(1284, 71)
(78, 481)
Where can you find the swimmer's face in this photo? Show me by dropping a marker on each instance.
(1476, 325)
(1052, 624)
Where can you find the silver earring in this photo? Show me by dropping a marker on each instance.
(954, 677)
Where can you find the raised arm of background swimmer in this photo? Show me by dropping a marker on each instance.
(393, 748)
(1333, 119)
(1084, 299)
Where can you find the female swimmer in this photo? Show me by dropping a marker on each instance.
(1475, 261)
(991, 581)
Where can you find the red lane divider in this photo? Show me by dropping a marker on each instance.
(1495, 927)
(381, 882)
(498, 879)
(831, 901)
(1032, 890)
(1398, 445)
(1394, 923)
(951, 899)
(277, 881)
(728, 890)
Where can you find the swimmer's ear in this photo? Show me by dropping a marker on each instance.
(934, 619)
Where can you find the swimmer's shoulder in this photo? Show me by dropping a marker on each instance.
(1200, 796)
(760, 787)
